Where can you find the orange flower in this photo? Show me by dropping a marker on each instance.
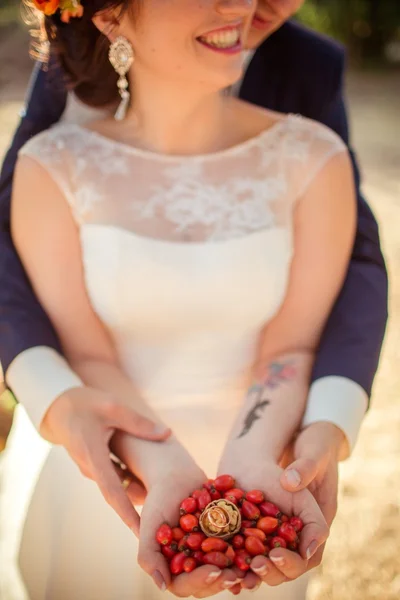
(48, 7)
(70, 10)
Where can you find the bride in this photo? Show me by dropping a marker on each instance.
(188, 253)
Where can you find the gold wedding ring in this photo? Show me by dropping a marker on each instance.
(126, 482)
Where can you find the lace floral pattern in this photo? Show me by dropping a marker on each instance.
(214, 197)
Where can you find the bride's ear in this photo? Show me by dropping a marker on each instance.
(107, 23)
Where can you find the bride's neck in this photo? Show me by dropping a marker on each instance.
(170, 118)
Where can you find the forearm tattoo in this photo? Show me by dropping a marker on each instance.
(276, 374)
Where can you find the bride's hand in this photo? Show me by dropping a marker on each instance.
(162, 505)
(283, 565)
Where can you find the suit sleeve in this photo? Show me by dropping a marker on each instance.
(23, 323)
(351, 343)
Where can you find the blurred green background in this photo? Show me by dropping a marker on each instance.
(369, 28)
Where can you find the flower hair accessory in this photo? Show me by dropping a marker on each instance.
(68, 8)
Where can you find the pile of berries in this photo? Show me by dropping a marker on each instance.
(223, 525)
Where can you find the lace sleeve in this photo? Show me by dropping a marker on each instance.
(310, 146)
(50, 151)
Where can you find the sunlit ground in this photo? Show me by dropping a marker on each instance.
(362, 560)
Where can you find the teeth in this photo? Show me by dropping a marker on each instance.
(222, 39)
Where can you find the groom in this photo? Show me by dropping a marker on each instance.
(292, 70)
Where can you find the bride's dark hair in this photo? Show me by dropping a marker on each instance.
(82, 51)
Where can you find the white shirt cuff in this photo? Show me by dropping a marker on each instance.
(340, 401)
(37, 377)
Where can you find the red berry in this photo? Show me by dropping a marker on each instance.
(176, 564)
(242, 560)
(268, 509)
(293, 546)
(189, 564)
(197, 514)
(223, 483)
(168, 552)
(231, 499)
(195, 540)
(235, 492)
(267, 524)
(164, 534)
(215, 494)
(196, 494)
(253, 532)
(254, 546)
(284, 518)
(255, 496)
(209, 485)
(198, 555)
(250, 511)
(188, 506)
(269, 539)
(230, 553)
(247, 523)
(238, 541)
(189, 523)
(217, 559)
(204, 499)
(296, 523)
(177, 534)
(214, 545)
(278, 542)
(182, 543)
(287, 532)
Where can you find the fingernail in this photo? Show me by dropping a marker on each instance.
(159, 581)
(311, 550)
(293, 478)
(213, 576)
(159, 429)
(230, 584)
(278, 560)
(260, 570)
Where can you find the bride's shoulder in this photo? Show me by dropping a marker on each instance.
(50, 143)
(301, 132)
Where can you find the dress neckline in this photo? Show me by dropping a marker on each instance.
(158, 156)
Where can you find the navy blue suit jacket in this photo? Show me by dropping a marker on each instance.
(294, 71)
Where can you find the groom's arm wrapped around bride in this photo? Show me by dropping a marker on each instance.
(293, 71)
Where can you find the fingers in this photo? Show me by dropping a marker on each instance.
(136, 493)
(204, 582)
(327, 492)
(317, 558)
(133, 487)
(126, 419)
(281, 566)
(250, 581)
(104, 474)
(153, 562)
(315, 532)
(300, 473)
(195, 583)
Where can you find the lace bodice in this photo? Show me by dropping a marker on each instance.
(212, 197)
(186, 258)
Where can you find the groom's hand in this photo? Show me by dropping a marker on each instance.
(312, 462)
(83, 421)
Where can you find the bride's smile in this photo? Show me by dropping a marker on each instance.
(198, 46)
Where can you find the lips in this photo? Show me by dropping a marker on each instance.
(225, 39)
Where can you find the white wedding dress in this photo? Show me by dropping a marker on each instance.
(186, 259)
